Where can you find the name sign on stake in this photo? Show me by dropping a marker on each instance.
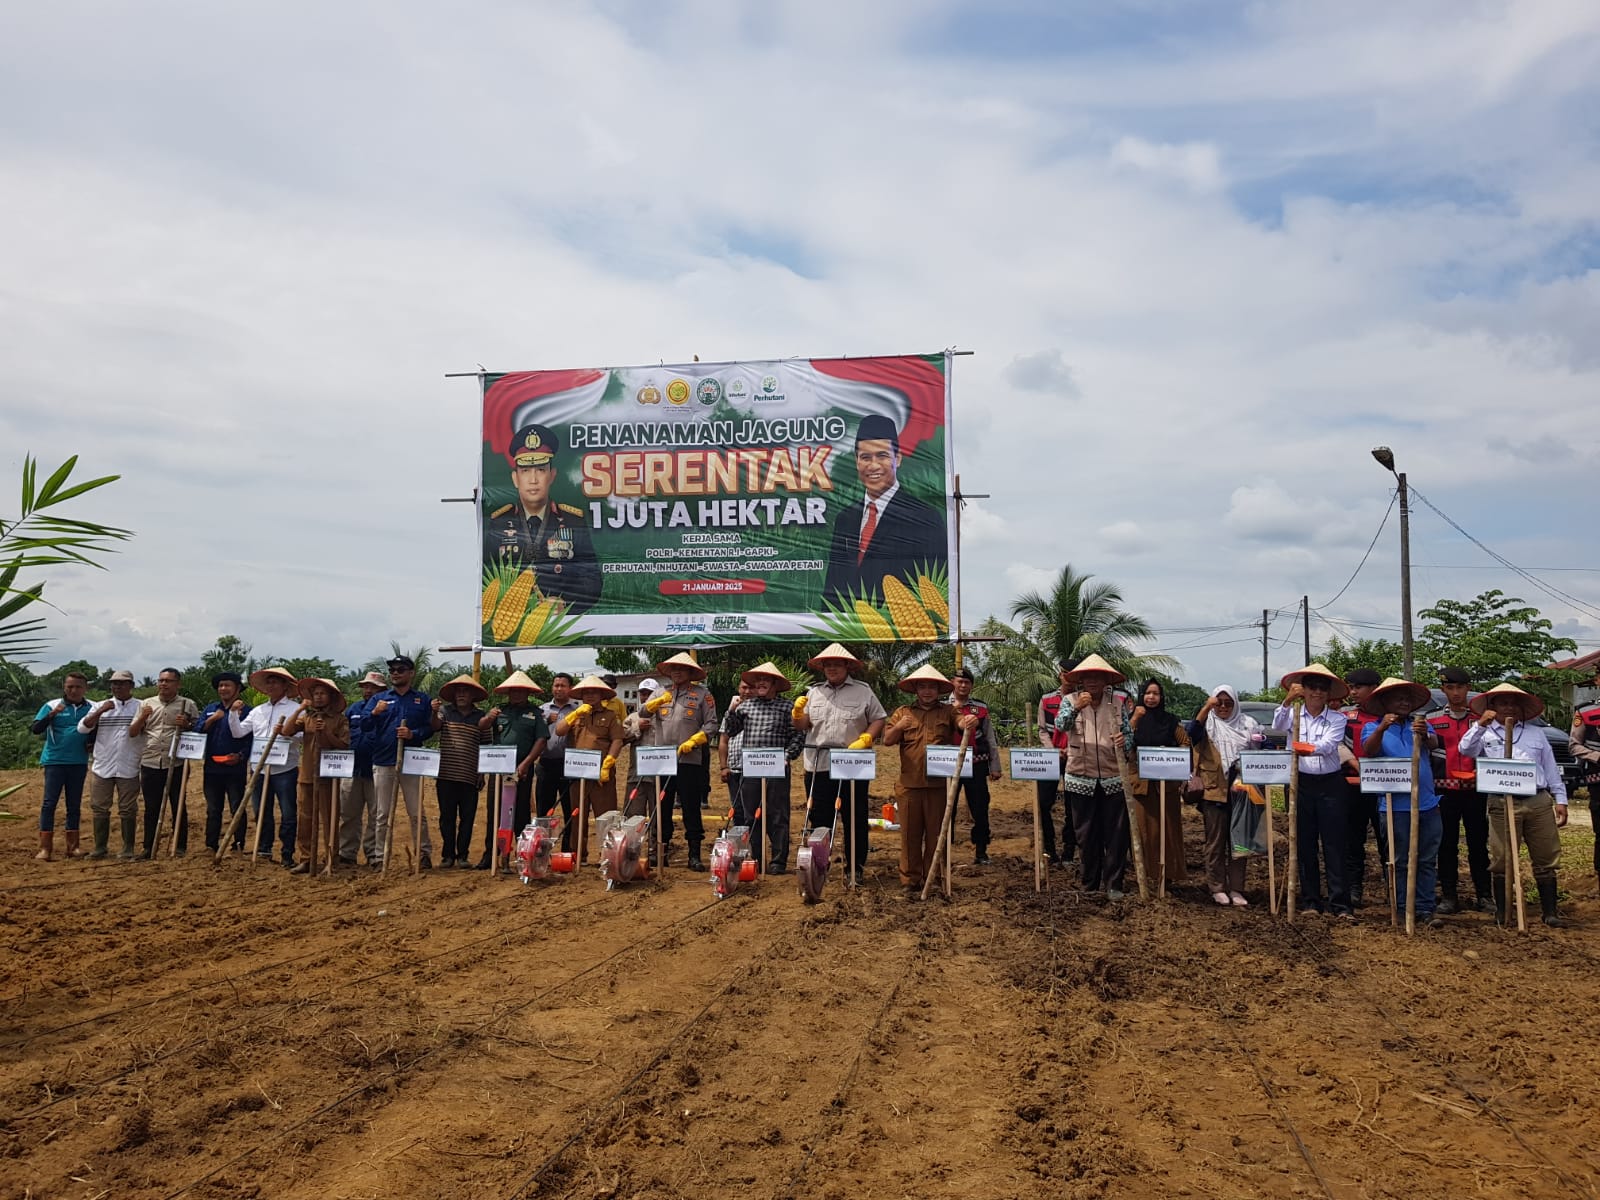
(497, 760)
(338, 764)
(420, 762)
(583, 764)
(1164, 762)
(1035, 762)
(1385, 775)
(1266, 767)
(853, 764)
(191, 746)
(763, 764)
(942, 762)
(655, 760)
(1508, 777)
(278, 756)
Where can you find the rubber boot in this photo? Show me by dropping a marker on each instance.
(1499, 886)
(102, 834)
(47, 841)
(130, 826)
(1547, 903)
(695, 862)
(72, 844)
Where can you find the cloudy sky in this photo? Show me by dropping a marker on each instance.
(1207, 256)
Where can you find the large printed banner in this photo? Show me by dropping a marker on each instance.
(716, 502)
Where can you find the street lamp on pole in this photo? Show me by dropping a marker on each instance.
(1385, 457)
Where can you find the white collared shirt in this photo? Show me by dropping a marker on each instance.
(1325, 731)
(880, 503)
(116, 751)
(259, 723)
(1528, 744)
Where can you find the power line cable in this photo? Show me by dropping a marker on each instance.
(1381, 524)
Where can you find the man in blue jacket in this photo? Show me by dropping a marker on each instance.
(391, 720)
(227, 764)
(358, 807)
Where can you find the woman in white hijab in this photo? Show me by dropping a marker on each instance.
(1220, 732)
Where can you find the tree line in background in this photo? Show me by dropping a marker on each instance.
(1493, 636)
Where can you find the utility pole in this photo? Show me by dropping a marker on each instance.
(1265, 625)
(1385, 457)
(1305, 612)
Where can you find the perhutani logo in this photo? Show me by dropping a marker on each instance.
(769, 393)
(649, 394)
(709, 391)
(769, 384)
(687, 625)
(678, 391)
(730, 625)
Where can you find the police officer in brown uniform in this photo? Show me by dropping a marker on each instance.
(535, 532)
(593, 726)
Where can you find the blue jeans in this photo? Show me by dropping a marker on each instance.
(282, 788)
(58, 778)
(1430, 832)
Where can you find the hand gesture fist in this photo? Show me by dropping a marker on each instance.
(970, 721)
(381, 707)
(237, 706)
(437, 704)
(579, 713)
(1138, 712)
(1081, 701)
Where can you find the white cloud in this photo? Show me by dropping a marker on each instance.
(239, 261)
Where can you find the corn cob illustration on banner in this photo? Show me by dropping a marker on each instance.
(707, 503)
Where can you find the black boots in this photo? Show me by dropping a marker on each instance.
(695, 863)
(1547, 902)
(1499, 885)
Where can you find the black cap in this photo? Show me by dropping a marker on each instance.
(609, 680)
(1363, 677)
(1454, 675)
(875, 427)
(402, 661)
(1068, 664)
(227, 677)
(962, 673)
(533, 446)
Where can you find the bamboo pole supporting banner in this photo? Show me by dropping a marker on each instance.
(1416, 828)
(1292, 869)
(242, 813)
(949, 819)
(1513, 851)
(182, 806)
(394, 803)
(1135, 838)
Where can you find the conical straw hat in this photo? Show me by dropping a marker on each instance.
(1377, 701)
(767, 670)
(926, 673)
(683, 659)
(257, 677)
(834, 653)
(594, 683)
(304, 687)
(1095, 665)
(446, 693)
(516, 680)
(1338, 689)
(1496, 697)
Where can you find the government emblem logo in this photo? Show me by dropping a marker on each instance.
(709, 392)
(649, 394)
(678, 391)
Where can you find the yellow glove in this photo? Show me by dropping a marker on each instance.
(800, 706)
(657, 702)
(606, 764)
(693, 744)
(579, 713)
(864, 742)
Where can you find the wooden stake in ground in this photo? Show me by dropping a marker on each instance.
(255, 846)
(1389, 876)
(1292, 871)
(183, 807)
(765, 856)
(1513, 852)
(161, 813)
(494, 824)
(333, 828)
(1272, 866)
(658, 827)
(949, 819)
(1416, 831)
(1135, 838)
(1161, 884)
(1041, 877)
(394, 803)
(416, 826)
(582, 840)
(244, 805)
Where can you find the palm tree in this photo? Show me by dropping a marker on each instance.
(1079, 618)
(40, 538)
(425, 680)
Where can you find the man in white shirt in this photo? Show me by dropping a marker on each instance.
(1323, 810)
(116, 764)
(1538, 817)
(275, 783)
